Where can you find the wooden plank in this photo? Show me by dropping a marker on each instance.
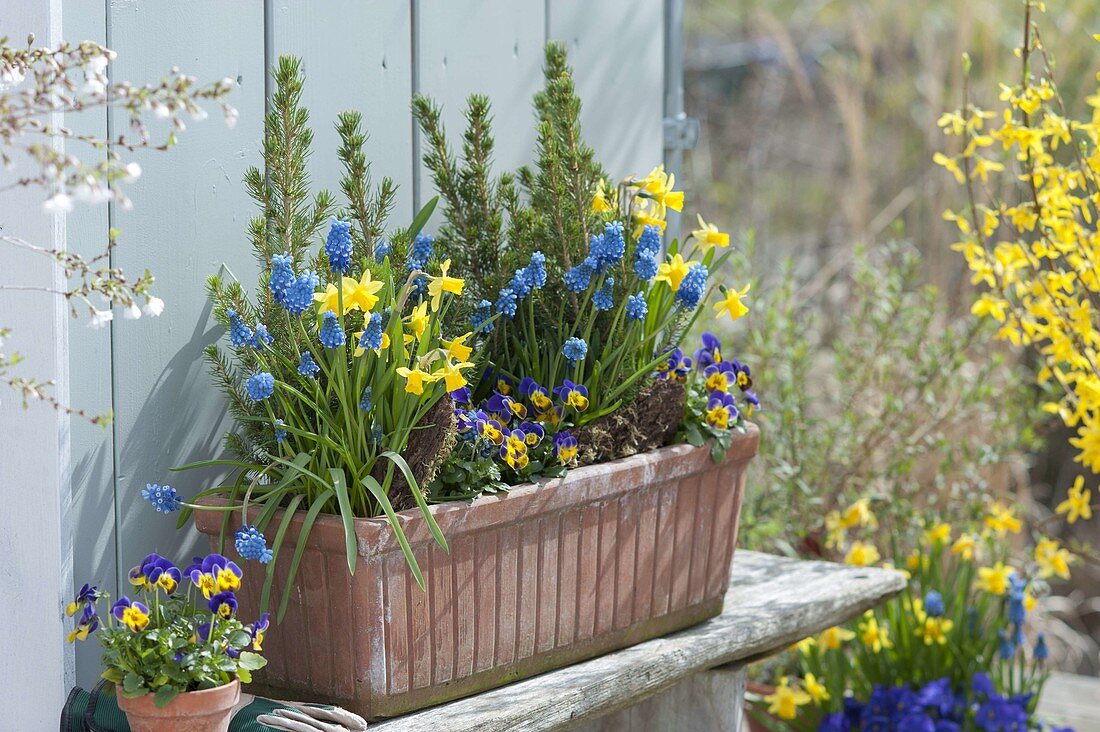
(1072, 701)
(189, 218)
(492, 48)
(357, 55)
(772, 602)
(621, 89)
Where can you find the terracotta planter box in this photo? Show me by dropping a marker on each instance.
(537, 578)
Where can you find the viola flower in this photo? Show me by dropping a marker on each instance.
(575, 349)
(257, 631)
(215, 574)
(710, 352)
(573, 395)
(602, 300)
(743, 375)
(414, 379)
(532, 433)
(86, 625)
(565, 447)
(514, 450)
(721, 410)
(480, 319)
(133, 615)
(360, 294)
(164, 499)
(507, 303)
(223, 604)
(693, 287)
(708, 235)
(636, 307)
(504, 407)
(155, 572)
(260, 386)
(552, 416)
(537, 394)
(332, 334)
(491, 430)
(718, 376)
(240, 335)
(338, 246)
(504, 384)
(87, 595)
(461, 396)
(301, 293)
(731, 303)
(677, 367)
(282, 276)
(307, 366)
(251, 544)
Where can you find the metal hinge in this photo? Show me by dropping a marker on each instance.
(681, 132)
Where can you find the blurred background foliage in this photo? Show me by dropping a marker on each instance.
(818, 126)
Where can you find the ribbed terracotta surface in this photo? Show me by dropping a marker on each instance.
(537, 578)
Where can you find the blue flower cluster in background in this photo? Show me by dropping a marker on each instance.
(935, 707)
(307, 366)
(338, 246)
(479, 321)
(604, 251)
(525, 281)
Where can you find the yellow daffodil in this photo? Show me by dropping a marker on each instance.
(731, 303)
(443, 283)
(805, 645)
(874, 636)
(419, 319)
(658, 187)
(328, 300)
(933, 630)
(1002, 519)
(816, 689)
(833, 638)
(861, 554)
(1052, 559)
(995, 579)
(673, 271)
(708, 235)
(361, 294)
(601, 202)
(451, 372)
(964, 546)
(457, 349)
(644, 217)
(414, 379)
(859, 514)
(938, 534)
(1076, 506)
(786, 700)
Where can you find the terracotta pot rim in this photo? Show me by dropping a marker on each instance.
(694, 460)
(124, 701)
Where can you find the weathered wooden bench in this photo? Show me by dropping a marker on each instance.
(691, 680)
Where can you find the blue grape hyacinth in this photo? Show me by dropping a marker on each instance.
(636, 307)
(299, 295)
(575, 349)
(603, 299)
(479, 320)
(338, 246)
(307, 366)
(163, 498)
(260, 386)
(282, 276)
(693, 287)
(251, 544)
(240, 335)
(331, 335)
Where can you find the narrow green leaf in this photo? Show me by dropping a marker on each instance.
(300, 549)
(291, 509)
(339, 484)
(421, 218)
(375, 489)
(415, 490)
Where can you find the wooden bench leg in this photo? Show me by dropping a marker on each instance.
(709, 701)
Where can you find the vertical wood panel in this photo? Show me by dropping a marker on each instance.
(357, 56)
(616, 50)
(189, 217)
(493, 48)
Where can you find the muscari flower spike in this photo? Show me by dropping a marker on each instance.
(636, 307)
(260, 337)
(382, 249)
(933, 604)
(575, 349)
(1041, 652)
(692, 287)
(338, 246)
(299, 295)
(609, 247)
(282, 276)
(307, 366)
(507, 303)
(479, 320)
(578, 278)
(240, 335)
(420, 252)
(372, 333)
(251, 544)
(280, 433)
(331, 335)
(603, 299)
(164, 499)
(366, 402)
(260, 386)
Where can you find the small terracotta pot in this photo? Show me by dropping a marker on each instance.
(208, 710)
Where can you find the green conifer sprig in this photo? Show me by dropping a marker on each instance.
(368, 209)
